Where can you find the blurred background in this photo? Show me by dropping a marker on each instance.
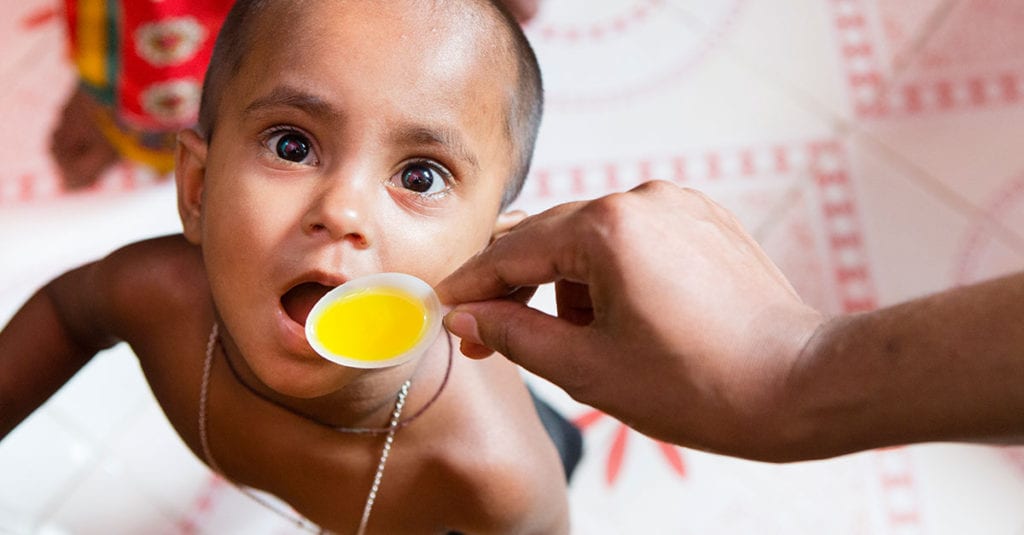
(874, 148)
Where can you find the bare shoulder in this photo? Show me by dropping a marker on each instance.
(497, 460)
(167, 255)
(128, 292)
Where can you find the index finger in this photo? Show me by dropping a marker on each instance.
(535, 252)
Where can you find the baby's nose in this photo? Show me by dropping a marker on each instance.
(339, 212)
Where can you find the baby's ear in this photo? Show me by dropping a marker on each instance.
(505, 222)
(190, 175)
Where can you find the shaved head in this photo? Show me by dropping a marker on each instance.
(249, 20)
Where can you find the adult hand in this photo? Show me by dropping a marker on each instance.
(670, 316)
(80, 150)
(522, 10)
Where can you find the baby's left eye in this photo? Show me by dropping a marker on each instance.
(424, 178)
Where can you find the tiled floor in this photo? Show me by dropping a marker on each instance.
(871, 146)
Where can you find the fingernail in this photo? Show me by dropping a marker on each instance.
(463, 325)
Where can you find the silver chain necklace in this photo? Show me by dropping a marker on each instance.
(301, 522)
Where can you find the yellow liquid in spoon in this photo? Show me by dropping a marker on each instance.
(371, 325)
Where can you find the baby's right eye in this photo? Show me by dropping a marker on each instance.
(292, 146)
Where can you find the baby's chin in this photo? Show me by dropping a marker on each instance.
(310, 378)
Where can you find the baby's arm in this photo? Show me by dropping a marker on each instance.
(54, 335)
(86, 310)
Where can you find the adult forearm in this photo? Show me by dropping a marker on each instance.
(949, 367)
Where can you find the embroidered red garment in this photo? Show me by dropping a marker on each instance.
(145, 59)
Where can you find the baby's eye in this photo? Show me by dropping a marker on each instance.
(292, 146)
(424, 178)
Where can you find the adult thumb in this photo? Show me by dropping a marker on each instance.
(543, 344)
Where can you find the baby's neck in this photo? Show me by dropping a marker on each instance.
(365, 401)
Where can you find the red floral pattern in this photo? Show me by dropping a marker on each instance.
(672, 455)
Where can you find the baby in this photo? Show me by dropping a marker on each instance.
(336, 139)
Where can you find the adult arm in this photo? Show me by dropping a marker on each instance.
(672, 319)
(947, 367)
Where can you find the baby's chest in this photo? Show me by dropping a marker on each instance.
(333, 480)
(325, 475)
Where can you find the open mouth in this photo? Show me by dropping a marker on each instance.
(298, 301)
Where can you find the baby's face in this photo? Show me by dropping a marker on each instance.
(358, 137)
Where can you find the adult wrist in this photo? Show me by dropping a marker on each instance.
(836, 397)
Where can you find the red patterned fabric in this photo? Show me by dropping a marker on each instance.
(156, 54)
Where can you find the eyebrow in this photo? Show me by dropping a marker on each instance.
(442, 136)
(290, 97)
